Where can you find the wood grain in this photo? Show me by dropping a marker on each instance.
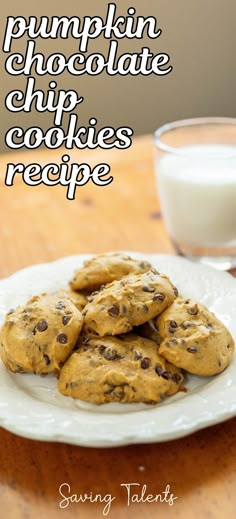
(39, 224)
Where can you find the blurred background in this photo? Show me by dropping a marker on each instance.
(199, 36)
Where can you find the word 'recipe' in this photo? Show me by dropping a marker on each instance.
(63, 174)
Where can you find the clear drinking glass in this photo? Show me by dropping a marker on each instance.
(195, 162)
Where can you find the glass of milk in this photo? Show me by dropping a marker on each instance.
(195, 162)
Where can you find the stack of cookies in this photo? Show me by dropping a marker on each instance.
(120, 333)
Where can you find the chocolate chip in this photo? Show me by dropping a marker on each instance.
(166, 375)
(66, 319)
(174, 340)
(159, 370)
(173, 324)
(60, 364)
(46, 358)
(124, 309)
(159, 297)
(137, 355)
(145, 363)
(11, 311)
(42, 325)
(62, 338)
(176, 292)
(219, 363)
(192, 349)
(148, 289)
(176, 378)
(162, 373)
(101, 348)
(113, 311)
(111, 355)
(145, 308)
(193, 310)
(60, 306)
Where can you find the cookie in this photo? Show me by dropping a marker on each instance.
(39, 336)
(119, 369)
(78, 298)
(106, 268)
(129, 302)
(194, 339)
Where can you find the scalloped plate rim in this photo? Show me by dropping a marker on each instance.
(124, 435)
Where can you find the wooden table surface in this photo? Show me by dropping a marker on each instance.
(38, 224)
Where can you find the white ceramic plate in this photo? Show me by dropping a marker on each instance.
(31, 406)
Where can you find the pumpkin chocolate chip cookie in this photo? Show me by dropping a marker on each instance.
(127, 368)
(194, 339)
(129, 302)
(39, 336)
(105, 268)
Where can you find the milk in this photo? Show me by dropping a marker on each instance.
(197, 189)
